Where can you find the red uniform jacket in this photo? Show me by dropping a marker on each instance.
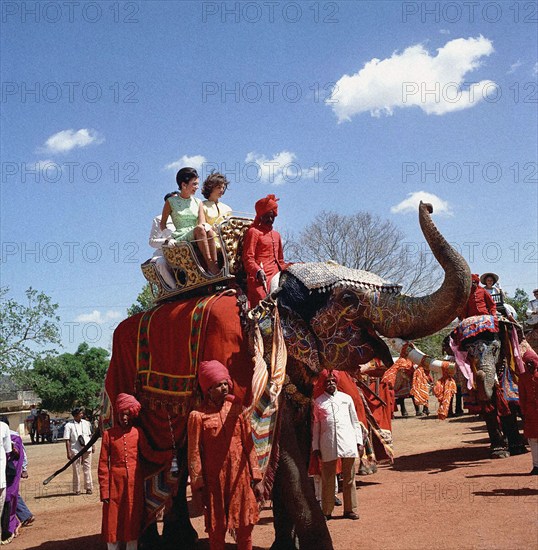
(528, 401)
(261, 245)
(121, 481)
(479, 303)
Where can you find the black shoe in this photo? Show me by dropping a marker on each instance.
(418, 413)
(426, 411)
(405, 414)
(351, 515)
(337, 501)
(534, 471)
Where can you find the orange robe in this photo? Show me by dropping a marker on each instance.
(121, 480)
(222, 462)
(261, 246)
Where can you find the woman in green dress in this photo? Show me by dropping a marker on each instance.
(187, 213)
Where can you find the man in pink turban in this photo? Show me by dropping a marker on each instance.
(263, 255)
(121, 480)
(222, 460)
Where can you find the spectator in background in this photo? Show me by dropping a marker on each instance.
(76, 434)
(5, 449)
(14, 464)
(532, 310)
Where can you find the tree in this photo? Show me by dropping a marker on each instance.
(70, 379)
(519, 302)
(367, 242)
(144, 301)
(26, 330)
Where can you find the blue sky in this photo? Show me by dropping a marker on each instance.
(99, 98)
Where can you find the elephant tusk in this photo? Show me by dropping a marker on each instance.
(409, 350)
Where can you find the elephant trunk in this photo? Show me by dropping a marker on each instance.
(411, 318)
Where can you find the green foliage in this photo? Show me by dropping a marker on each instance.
(68, 380)
(143, 302)
(519, 302)
(26, 331)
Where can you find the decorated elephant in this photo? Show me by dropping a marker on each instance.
(323, 316)
(488, 351)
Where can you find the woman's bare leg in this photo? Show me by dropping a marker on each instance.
(201, 240)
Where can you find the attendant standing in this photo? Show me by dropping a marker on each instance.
(121, 479)
(222, 461)
(528, 401)
(336, 434)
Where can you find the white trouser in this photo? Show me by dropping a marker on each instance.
(164, 270)
(2, 502)
(131, 545)
(86, 462)
(533, 443)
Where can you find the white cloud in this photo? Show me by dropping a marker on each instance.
(97, 317)
(410, 204)
(64, 141)
(414, 78)
(444, 31)
(282, 168)
(514, 67)
(196, 161)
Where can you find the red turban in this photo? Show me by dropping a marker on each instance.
(128, 403)
(530, 356)
(475, 277)
(319, 387)
(266, 205)
(212, 372)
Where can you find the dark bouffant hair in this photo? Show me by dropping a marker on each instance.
(185, 175)
(214, 180)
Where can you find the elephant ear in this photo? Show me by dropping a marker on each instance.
(301, 343)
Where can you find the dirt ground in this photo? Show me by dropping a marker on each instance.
(441, 492)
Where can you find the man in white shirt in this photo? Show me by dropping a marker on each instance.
(157, 238)
(336, 434)
(532, 310)
(5, 447)
(77, 433)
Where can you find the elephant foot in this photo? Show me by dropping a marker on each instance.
(518, 450)
(283, 545)
(500, 453)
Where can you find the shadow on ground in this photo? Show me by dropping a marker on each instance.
(442, 460)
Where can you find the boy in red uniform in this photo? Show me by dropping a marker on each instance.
(121, 480)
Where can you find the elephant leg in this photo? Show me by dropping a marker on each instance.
(516, 444)
(295, 497)
(177, 523)
(499, 445)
